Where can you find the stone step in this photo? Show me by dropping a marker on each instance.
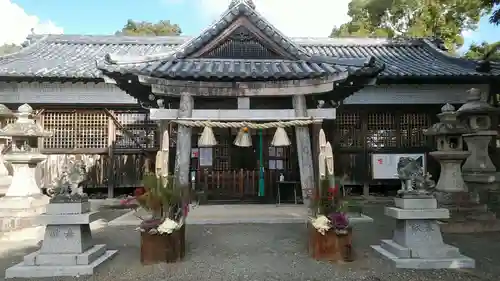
(467, 208)
(470, 226)
(85, 258)
(472, 215)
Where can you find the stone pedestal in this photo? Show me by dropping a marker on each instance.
(5, 178)
(67, 248)
(417, 241)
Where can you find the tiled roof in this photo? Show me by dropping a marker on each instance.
(231, 68)
(76, 56)
(242, 45)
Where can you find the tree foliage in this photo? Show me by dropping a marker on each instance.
(8, 48)
(481, 51)
(445, 19)
(493, 6)
(144, 28)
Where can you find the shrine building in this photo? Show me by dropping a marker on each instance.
(110, 98)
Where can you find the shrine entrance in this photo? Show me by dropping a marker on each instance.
(242, 60)
(228, 173)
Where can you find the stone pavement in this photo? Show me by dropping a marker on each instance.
(275, 252)
(228, 214)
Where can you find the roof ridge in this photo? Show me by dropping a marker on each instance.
(112, 39)
(463, 62)
(181, 39)
(23, 50)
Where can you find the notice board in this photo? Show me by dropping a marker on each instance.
(385, 166)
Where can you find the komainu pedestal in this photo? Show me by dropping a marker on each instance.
(417, 241)
(67, 248)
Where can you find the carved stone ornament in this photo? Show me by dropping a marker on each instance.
(414, 180)
(66, 187)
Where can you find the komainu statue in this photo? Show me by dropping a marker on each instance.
(414, 179)
(67, 187)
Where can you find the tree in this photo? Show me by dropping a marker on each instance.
(144, 28)
(444, 19)
(8, 48)
(493, 6)
(484, 51)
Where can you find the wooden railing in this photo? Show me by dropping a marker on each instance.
(239, 184)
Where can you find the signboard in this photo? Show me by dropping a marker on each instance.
(385, 166)
(206, 157)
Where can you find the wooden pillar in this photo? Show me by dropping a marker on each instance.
(304, 152)
(111, 158)
(183, 146)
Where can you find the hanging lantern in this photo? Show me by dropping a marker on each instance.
(280, 138)
(322, 140)
(207, 138)
(243, 139)
(329, 158)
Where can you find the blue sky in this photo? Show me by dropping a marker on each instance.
(107, 16)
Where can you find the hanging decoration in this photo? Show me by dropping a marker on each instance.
(207, 138)
(161, 161)
(280, 138)
(329, 158)
(243, 138)
(248, 125)
(322, 141)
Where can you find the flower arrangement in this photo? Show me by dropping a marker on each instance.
(331, 209)
(160, 197)
(328, 204)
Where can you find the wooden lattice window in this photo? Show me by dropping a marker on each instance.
(137, 132)
(381, 130)
(348, 130)
(76, 129)
(278, 158)
(412, 126)
(222, 156)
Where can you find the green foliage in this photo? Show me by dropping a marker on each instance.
(161, 195)
(144, 28)
(444, 19)
(9, 48)
(493, 6)
(481, 51)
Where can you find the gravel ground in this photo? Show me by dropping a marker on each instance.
(267, 252)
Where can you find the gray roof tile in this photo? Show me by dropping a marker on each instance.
(231, 68)
(76, 56)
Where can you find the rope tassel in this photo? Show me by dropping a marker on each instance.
(207, 138)
(243, 139)
(280, 138)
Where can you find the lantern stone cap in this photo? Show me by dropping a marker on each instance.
(5, 111)
(475, 105)
(448, 123)
(24, 125)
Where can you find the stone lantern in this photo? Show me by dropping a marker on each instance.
(448, 132)
(25, 155)
(479, 171)
(23, 200)
(5, 178)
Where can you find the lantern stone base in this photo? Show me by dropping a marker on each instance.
(4, 184)
(467, 215)
(67, 248)
(417, 241)
(21, 212)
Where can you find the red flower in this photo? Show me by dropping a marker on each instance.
(139, 191)
(333, 191)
